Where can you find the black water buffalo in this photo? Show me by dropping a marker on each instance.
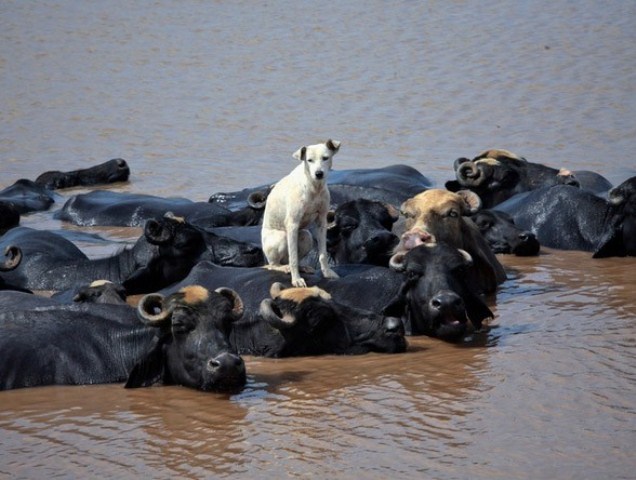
(9, 216)
(406, 294)
(184, 341)
(496, 175)
(298, 321)
(115, 170)
(105, 208)
(441, 215)
(568, 218)
(503, 236)
(392, 185)
(99, 291)
(163, 255)
(359, 231)
(27, 196)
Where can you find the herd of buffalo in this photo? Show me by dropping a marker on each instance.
(412, 260)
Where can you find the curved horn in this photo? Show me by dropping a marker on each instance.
(14, 257)
(257, 200)
(156, 233)
(470, 174)
(396, 262)
(331, 219)
(237, 303)
(151, 311)
(472, 200)
(460, 161)
(271, 315)
(275, 289)
(467, 256)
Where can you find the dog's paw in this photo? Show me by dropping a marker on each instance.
(329, 273)
(299, 282)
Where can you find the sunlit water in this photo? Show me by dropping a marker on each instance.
(202, 97)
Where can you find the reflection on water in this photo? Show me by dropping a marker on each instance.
(202, 97)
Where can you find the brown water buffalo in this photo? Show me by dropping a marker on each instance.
(443, 216)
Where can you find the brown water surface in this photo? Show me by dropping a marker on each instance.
(202, 97)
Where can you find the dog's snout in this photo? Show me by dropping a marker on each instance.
(320, 174)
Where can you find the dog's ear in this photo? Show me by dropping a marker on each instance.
(333, 145)
(301, 154)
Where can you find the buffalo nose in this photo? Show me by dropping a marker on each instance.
(445, 301)
(319, 175)
(526, 236)
(393, 325)
(227, 364)
(382, 240)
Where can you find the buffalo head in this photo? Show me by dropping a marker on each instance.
(435, 299)
(360, 232)
(191, 347)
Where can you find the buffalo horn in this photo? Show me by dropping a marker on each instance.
(237, 304)
(151, 309)
(271, 315)
(14, 257)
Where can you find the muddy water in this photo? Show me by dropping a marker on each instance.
(202, 97)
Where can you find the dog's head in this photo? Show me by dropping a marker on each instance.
(318, 158)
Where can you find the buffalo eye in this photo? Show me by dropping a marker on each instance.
(484, 225)
(452, 214)
(182, 323)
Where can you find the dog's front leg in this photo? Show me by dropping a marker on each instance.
(327, 272)
(292, 245)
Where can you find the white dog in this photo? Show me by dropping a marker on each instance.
(297, 201)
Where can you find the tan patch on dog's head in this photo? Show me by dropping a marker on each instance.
(194, 294)
(297, 295)
(564, 172)
(99, 283)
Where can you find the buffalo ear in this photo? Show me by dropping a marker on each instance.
(396, 307)
(258, 199)
(472, 201)
(148, 370)
(476, 310)
(610, 244)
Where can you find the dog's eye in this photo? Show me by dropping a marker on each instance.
(453, 214)
(310, 160)
(324, 159)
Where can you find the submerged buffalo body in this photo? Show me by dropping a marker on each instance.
(115, 170)
(163, 255)
(105, 208)
(496, 175)
(184, 343)
(392, 185)
(405, 294)
(568, 218)
(26, 196)
(503, 235)
(290, 322)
